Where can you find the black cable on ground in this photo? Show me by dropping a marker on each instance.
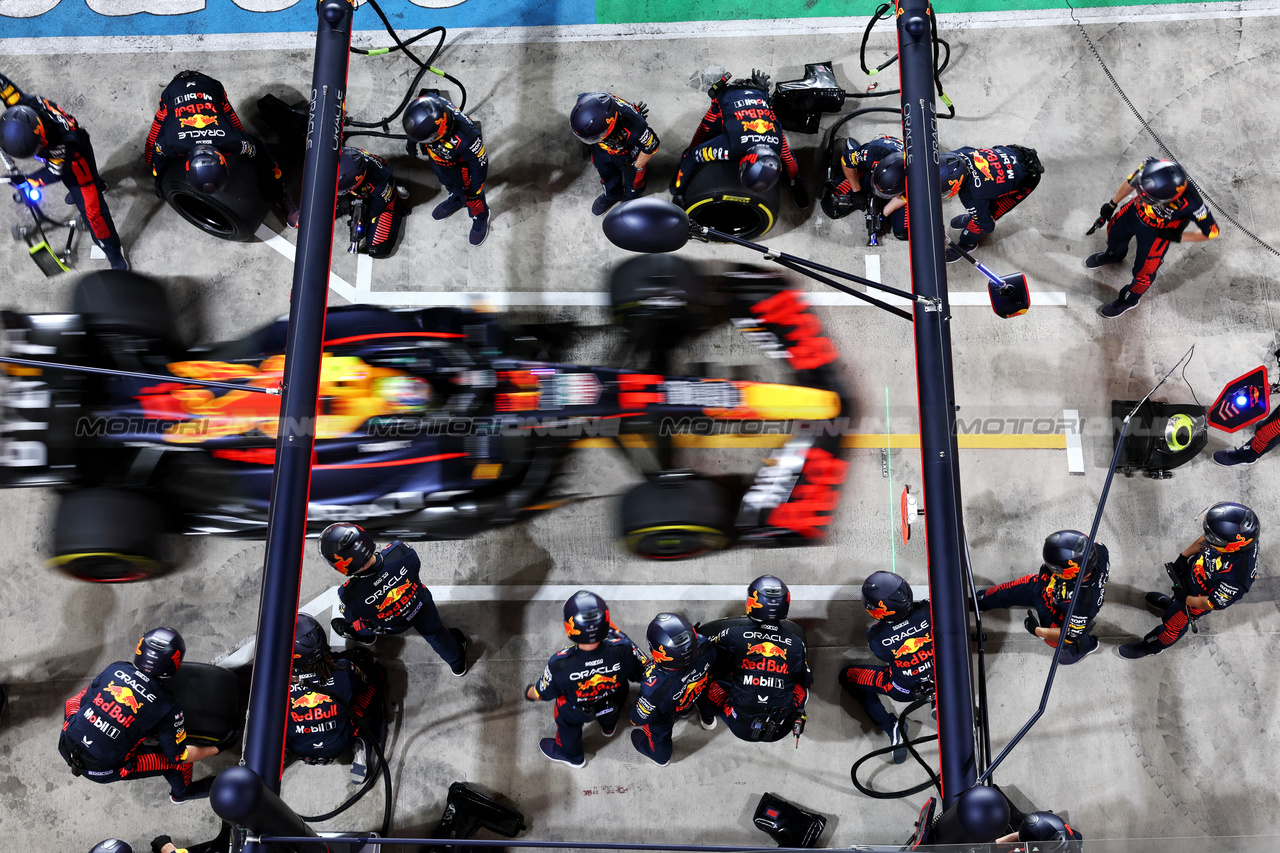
(1160, 143)
(933, 781)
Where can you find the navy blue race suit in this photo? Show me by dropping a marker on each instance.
(863, 159)
(737, 121)
(106, 723)
(390, 598)
(615, 156)
(320, 728)
(67, 155)
(461, 163)
(906, 645)
(383, 212)
(761, 680)
(194, 110)
(1155, 227)
(663, 695)
(1050, 594)
(1223, 578)
(997, 181)
(589, 685)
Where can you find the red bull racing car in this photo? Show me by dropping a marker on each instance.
(431, 424)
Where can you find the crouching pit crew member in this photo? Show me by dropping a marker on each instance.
(1044, 827)
(587, 681)
(107, 723)
(195, 123)
(452, 141)
(762, 677)
(990, 182)
(367, 177)
(383, 593)
(1158, 215)
(1049, 592)
(672, 683)
(333, 702)
(1213, 573)
(621, 145)
(37, 127)
(902, 637)
(740, 127)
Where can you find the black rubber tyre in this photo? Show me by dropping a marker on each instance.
(118, 302)
(108, 536)
(676, 518)
(232, 214)
(659, 295)
(210, 700)
(715, 198)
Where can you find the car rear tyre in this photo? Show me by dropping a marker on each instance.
(117, 302)
(676, 517)
(236, 211)
(108, 536)
(715, 198)
(661, 296)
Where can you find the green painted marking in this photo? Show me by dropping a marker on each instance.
(659, 11)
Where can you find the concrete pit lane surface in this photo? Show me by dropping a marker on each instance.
(1179, 745)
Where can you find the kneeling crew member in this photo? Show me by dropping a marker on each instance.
(383, 593)
(902, 637)
(763, 675)
(1049, 592)
(196, 123)
(452, 141)
(107, 723)
(368, 177)
(37, 127)
(740, 127)
(1158, 215)
(621, 144)
(672, 683)
(1213, 573)
(329, 698)
(587, 681)
(990, 182)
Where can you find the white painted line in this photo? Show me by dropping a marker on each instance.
(327, 601)
(284, 247)
(364, 273)
(96, 254)
(872, 263)
(1075, 452)
(1003, 19)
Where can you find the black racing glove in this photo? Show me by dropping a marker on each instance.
(411, 147)
(860, 199)
(718, 87)
(642, 108)
(527, 688)
(799, 194)
(760, 79)
(158, 843)
(1177, 571)
(1106, 211)
(1031, 623)
(344, 629)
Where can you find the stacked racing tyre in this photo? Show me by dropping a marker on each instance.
(235, 212)
(715, 198)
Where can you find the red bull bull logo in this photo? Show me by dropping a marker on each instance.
(660, 655)
(570, 629)
(318, 707)
(199, 120)
(767, 649)
(343, 563)
(982, 164)
(911, 646)
(124, 696)
(879, 611)
(309, 700)
(690, 693)
(395, 595)
(753, 602)
(596, 685)
(759, 125)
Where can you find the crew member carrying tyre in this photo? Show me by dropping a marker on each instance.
(588, 682)
(383, 593)
(762, 670)
(621, 144)
(740, 127)
(1049, 591)
(367, 177)
(458, 158)
(333, 702)
(672, 683)
(856, 191)
(990, 182)
(1165, 204)
(107, 723)
(902, 637)
(196, 124)
(37, 127)
(1213, 573)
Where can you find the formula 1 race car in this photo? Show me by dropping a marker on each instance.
(431, 424)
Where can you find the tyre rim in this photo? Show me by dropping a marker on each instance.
(676, 543)
(105, 567)
(736, 218)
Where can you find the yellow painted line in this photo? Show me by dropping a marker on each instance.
(860, 441)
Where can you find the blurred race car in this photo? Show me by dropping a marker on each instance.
(431, 424)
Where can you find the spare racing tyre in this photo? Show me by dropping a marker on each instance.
(108, 536)
(716, 198)
(210, 700)
(237, 210)
(675, 516)
(118, 302)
